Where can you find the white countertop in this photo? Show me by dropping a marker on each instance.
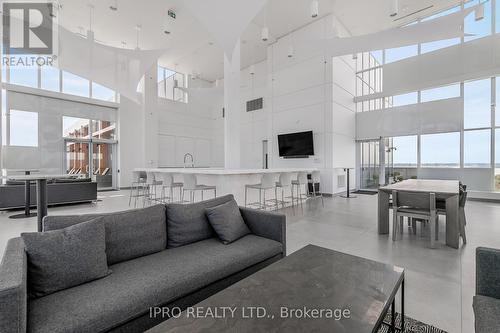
(215, 171)
(37, 177)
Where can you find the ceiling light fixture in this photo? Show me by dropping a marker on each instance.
(314, 8)
(114, 5)
(251, 69)
(479, 12)
(264, 35)
(394, 8)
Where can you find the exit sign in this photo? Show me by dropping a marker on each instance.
(172, 14)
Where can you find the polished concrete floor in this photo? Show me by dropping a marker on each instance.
(439, 282)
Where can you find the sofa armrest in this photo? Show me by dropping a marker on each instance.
(488, 272)
(13, 288)
(266, 224)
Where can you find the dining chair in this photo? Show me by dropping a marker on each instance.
(462, 221)
(414, 205)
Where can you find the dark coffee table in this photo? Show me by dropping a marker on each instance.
(276, 299)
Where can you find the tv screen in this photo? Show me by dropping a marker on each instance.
(296, 144)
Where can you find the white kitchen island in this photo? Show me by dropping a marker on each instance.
(230, 181)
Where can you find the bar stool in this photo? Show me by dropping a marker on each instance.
(298, 183)
(191, 185)
(284, 181)
(138, 186)
(267, 182)
(167, 180)
(316, 179)
(151, 184)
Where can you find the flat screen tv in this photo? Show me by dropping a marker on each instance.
(296, 144)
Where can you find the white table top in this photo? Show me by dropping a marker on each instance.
(37, 177)
(425, 185)
(214, 171)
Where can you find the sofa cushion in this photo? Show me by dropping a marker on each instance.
(227, 221)
(65, 258)
(187, 224)
(487, 314)
(129, 234)
(138, 284)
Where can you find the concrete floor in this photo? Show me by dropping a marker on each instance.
(439, 282)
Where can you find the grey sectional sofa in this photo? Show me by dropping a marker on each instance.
(486, 303)
(159, 256)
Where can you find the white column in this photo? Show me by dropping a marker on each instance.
(381, 154)
(150, 118)
(232, 107)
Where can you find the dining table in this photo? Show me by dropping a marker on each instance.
(446, 190)
(41, 191)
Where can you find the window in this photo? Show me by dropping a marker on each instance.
(477, 149)
(400, 53)
(497, 103)
(24, 75)
(23, 128)
(169, 83)
(75, 85)
(50, 78)
(497, 15)
(477, 104)
(405, 99)
(479, 28)
(4, 117)
(75, 127)
(102, 93)
(440, 150)
(440, 93)
(405, 152)
(103, 129)
(497, 159)
(439, 44)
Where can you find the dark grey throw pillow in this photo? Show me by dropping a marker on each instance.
(227, 221)
(65, 258)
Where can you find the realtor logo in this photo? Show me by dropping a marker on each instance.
(28, 28)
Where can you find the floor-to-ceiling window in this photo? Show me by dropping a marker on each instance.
(90, 149)
(475, 145)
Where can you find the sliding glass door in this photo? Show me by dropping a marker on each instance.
(93, 159)
(103, 157)
(370, 165)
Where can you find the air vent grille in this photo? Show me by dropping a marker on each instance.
(255, 104)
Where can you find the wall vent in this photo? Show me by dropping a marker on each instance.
(255, 104)
(341, 181)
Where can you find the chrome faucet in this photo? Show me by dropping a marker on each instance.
(191, 165)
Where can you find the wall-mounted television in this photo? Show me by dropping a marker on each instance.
(298, 145)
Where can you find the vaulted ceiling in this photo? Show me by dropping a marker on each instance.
(191, 49)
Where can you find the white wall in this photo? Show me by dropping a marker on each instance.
(191, 128)
(309, 91)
